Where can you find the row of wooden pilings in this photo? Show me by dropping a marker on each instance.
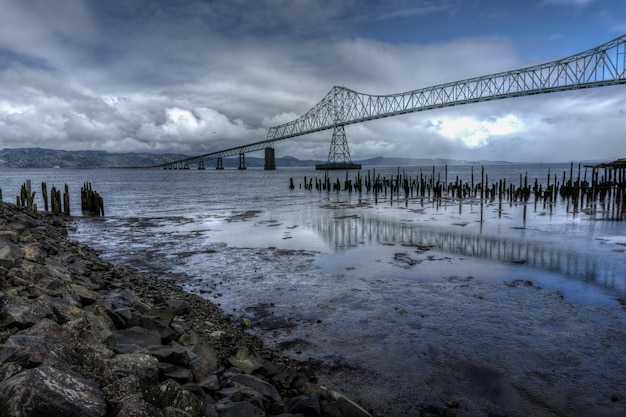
(91, 202)
(607, 186)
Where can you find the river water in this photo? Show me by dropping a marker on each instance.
(411, 301)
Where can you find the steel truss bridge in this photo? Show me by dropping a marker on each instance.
(601, 66)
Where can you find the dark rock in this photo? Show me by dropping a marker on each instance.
(203, 361)
(136, 406)
(137, 336)
(307, 404)
(230, 393)
(9, 235)
(125, 348)
(73, 343)
(122, 389)
(140, 365)
(210, 383)
(351, 409)
(13, 354)
(198, 391)
(57, 270)
(116, 319)
(338, 404)
(238, 409)
(165, 333)
(7, 370)
(188, 338)
(175, 412)
(62, 310)
(122, 299)
(9, 253)
(176, 373)
(288, 378)
(34, 347)
(23, 316)
(84, 294)
(173, 354)
(165, 314)
(178, 328)
(13, 360)
(180, 307)
(172, 394)
(246, 361)
(82, 337)
(125, 313)
(265, 389)
(34, 253)
(50, 389)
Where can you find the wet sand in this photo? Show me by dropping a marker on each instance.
(461, 347)
(408, 329)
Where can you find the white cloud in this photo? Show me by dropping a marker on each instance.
(202, 76)
(475, 133)
(11, 109)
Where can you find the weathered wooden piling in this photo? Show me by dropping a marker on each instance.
(55, 198)
(607, 188)
(91, 202)
(26, 197)
(44, 194)
(66, 201)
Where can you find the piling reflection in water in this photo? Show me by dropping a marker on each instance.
(345, 232)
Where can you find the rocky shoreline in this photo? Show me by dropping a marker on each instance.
(83, 337)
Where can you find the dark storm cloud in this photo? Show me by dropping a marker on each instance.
(196, 76)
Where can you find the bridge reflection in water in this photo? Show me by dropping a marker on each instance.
(349, 231)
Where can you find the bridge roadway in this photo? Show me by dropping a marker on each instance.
(604, 65)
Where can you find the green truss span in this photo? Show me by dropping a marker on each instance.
(601, 66)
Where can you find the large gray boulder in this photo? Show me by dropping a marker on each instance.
(9, 253)
(51, 390)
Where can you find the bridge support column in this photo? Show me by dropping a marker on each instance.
(219, 164)
(339, 154)
(270, 159)
(201, 165)
(242, 161)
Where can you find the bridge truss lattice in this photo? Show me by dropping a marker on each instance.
(604, 65)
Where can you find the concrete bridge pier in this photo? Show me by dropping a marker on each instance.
(201, 165)
(242, 161)
(219, 163)
(270, 159)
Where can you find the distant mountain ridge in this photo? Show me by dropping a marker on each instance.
(49, 158)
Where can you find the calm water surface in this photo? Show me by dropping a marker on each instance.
(327, 272)
(255, 209)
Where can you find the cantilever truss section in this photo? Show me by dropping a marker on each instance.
(600, 66)
(604, 65)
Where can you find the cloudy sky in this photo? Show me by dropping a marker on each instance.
(197, 76)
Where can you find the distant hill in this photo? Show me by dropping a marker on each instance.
(48, 158)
